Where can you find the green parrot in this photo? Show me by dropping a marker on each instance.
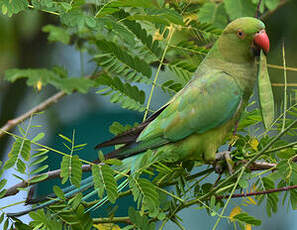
(195, 122)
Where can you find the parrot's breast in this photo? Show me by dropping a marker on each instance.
(198, 146)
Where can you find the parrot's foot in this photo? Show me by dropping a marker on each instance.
(225, 155)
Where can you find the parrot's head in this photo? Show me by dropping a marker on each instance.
(243, 39)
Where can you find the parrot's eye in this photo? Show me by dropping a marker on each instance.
(240, 34)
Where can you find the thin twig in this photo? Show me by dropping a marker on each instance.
(285, 88)
(46, 11)
(123, 219)
(268, 13)
(229, 198)
(157, 74)
(272, 66)
(258, 9)
(258, 193)
(44, 105)
(282, 84)
(257, 166)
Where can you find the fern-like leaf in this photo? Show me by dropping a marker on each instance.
(183, 69)
(20, 147)
(65, 164)
(104, 180)
(204, 32)
(132, 61)
(144, 193)
(42, 220)
(171, 86)
(272, 198)
(113, 66)
(141, 34)
(76, 171)
(117, 128)
(128, 96)
(141, 221)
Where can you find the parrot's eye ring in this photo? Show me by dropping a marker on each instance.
(240, 34)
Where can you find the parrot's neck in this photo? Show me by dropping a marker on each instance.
(245, 73)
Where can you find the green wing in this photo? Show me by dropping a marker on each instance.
(205, 103)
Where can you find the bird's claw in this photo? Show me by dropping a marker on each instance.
(225, 155)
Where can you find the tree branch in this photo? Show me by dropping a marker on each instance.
(50, 175)
(258, 193)
(44, 105)
(256, 166)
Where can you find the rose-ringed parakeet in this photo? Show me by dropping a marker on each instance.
(195, 122)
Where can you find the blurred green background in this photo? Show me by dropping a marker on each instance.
(23, 45)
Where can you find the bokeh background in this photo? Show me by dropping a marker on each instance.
(23, 45)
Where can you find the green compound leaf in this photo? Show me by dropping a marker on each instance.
(52, 77)
(76, 171)
(142, 222)
(33, 76)
(144, 193)
(128, 96)
(59, 193)
(57, 34)
(213, 13)
(20, 147)
(141, 34)
(65, 173)
(132, 61)
(82, 85)
(117, 128)
(104, 180)
(10, 7)
(272, 198)
(77, 19)
(240, 8)
(44, 220)
(246, 218)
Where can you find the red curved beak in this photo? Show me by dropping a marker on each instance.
(262, 41)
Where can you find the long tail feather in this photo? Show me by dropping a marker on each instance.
(105, 199)
(69, 192)
(65, 190)
(131, 135)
